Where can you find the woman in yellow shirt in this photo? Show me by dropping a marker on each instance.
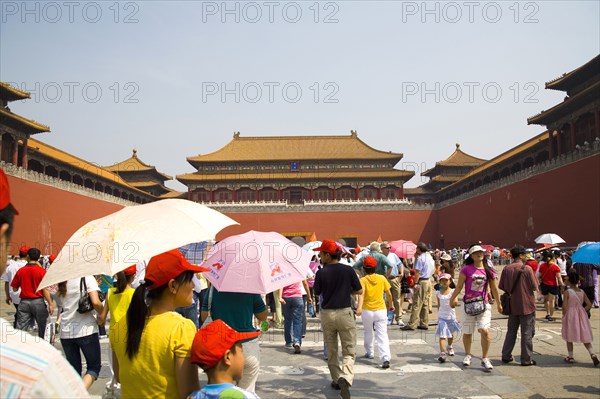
(118, 301)
(152, 344)
(374, 314)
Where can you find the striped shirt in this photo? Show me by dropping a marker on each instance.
(586, 271)
(30, 367)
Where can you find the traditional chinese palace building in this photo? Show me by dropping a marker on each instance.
(295, 169)
(15, 130)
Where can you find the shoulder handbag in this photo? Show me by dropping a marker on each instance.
(85, 303)
(474, 306)
(209, 318)
(505, 297)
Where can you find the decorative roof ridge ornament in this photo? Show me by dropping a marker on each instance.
(236, 135)
(457, 146)
(134, 153)
(353, 133)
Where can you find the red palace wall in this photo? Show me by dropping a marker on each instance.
(49, 216)
(565, 201)
(366, 225)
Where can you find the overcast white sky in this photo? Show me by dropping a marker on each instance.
(175, 79)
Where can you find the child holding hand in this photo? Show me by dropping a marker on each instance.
(447, 323)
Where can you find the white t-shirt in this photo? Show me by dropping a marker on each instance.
(309, 275)
(9, 274)
(446, 312)
(74, 324)
(140, 273)
(562, 265)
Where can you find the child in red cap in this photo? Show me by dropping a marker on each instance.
(217, 349)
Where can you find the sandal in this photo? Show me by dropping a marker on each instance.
(595, 360)
(569, 359)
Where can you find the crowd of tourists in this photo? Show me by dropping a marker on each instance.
(166, 322)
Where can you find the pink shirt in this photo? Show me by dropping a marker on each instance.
(292, 291)
(476, 282)
(314, 266)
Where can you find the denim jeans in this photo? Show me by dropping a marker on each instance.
(293, 310)
(90, 346)
(30, 310)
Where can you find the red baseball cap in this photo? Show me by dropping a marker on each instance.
(5, 192)
(130, 270)
(23, 250)
(328, 246)
(52, 258)
(212, 341)
(369, 262)
(169, 265)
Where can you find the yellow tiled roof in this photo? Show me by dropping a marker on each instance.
(570, 104)
(134, 164)
(562, 82)
(144, 184)
(320, 175)
(444, 178)
(27, 125)
(78, 163)
(457, 158)
(525, 146)
(174, 194)
(11, 93)
(294, 148)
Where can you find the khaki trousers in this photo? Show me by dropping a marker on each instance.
(342, 323)
(420, 309)
(251, 366)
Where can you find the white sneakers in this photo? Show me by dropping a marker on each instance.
(467, 360)
(450, 350)
(485, 362)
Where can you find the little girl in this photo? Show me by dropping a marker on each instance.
(447, 324)
(576, 326)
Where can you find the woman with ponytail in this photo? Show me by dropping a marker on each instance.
(152, 343)
(117, 302)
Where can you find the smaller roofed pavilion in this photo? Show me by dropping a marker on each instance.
(450, 169)
(295, 169)
(443, 174)
(142, 176)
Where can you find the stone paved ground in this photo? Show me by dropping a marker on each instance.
(415, 372)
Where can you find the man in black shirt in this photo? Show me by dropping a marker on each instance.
(337, 282)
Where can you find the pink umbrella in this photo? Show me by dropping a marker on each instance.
(404, 249)
(256, 263)
(488, 248)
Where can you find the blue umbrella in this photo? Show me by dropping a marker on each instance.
(589, 253)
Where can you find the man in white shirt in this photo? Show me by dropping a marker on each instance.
(424, 267)
(14, 297)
